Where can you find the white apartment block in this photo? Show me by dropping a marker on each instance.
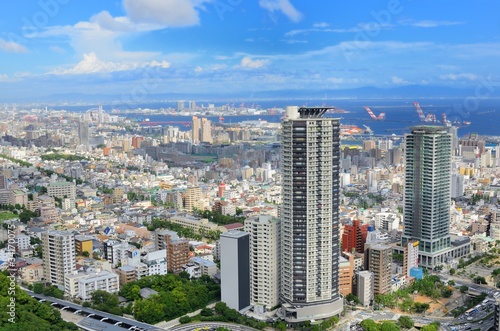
(387, 221)
(264, 260)
(82, 285)
(205, 267)
(22, 241)
(104, 281)
(58, 249)
(62, 190)
(364, 281)
(156, 262)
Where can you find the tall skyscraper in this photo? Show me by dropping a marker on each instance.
(201, 130)
(83, 133)
(427, 192)
(180, 105)
(457, 185)
(58, 248)
(310, 221)
(195, 129)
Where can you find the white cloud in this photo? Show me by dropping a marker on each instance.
(283, 6)
(429, 23)
(12, 47)
(165, 12)
(106, 22)
(321, 25)
(296, 41)
(91, 64)
(101, 35)
(247, 62)
(458, 77)
(340, 80)
(398, 80)
(3, 77)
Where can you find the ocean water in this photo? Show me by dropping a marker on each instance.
(483, 115)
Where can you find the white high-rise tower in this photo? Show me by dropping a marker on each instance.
(310, 243)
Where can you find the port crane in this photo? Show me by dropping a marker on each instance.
(381, 116)
(423, 118)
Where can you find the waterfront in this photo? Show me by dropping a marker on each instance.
(400, 114)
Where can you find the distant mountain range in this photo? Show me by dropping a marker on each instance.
(369, 92)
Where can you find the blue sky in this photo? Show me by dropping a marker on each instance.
(239, 46)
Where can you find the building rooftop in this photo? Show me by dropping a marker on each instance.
(234, 234)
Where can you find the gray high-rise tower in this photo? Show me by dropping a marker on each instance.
(83, 133)
(427, 192)
(310, 244)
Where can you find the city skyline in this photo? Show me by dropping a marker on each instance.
(174, 46)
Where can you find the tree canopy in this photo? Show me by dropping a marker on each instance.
(30, 314)
(176, 296)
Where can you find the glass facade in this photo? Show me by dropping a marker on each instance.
(428, 188)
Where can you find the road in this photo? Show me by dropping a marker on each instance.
(212, 326)
(96, 319)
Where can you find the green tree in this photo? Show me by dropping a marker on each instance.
(463, 289)
(281, 326)
(185, 319)
(388, 326)
(30, 315)
(369, 325)
(480, 280)
(38, 288)
(430, 327)
(446, 292)
(206, 312)
(452, 271)
(406, 322)
(421, 307)
(148, 310)
(107, 302)
(351, 297)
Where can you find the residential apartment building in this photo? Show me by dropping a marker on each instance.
(380, 264)
(310, 244)
(264, 260)
(58, 248)
(364, 287)
(177, 249)
(62, 190)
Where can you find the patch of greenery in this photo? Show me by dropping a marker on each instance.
(30, 314)
(7, 215)
(177, 296)
(20, 162)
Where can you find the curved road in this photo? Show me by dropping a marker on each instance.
(192, 326)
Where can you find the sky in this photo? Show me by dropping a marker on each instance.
(147, 47)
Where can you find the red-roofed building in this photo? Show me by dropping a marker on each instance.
(234, 226)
